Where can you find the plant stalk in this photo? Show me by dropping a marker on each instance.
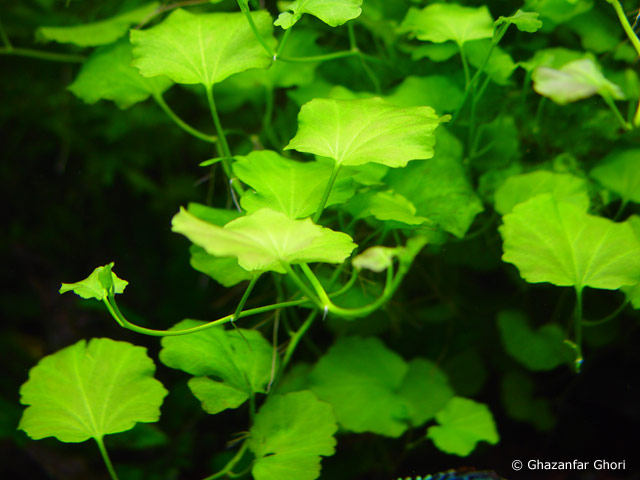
(105, 457)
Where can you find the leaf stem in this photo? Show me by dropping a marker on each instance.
(105, 457)
(611, 316)
(42, 55)
(327, 192)
(295, 339)
(329, 56)
(5, 37)
(181, 123)
(247, 13)
(577, 320)
(245, 297)
(612, 105)
(301, 285)
(232, 463)
(280, 48)
(624, 21)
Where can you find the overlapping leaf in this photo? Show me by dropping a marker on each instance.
(97, 285)
(331, 12)
(108, 74)
(289, 434)
(620, 172)
(239, 362)
(463, 423)
(90, 390)
(290, 187)
(386, 206)
(201, 48)
(98, 33)
(541, 349)
(265, 239)
(559, 243)
(524, 21)
(356, 132)
(437, 91)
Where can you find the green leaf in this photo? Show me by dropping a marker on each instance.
(288, 436)
(444, 194)
(201, 48)
(90, 390)
(541, 349)
(360, 378)
(558, 11)
(356, 132)
(440, 22)
(224, 270)
(463, 423)
(376, 259)
(525, 21)
(331, 12)
(265, 239)
(95, 285)
(97, 33)
(520, 188)
(387, 207)
(239, 362)
(559, 243)
(426, 390)
(500, 65)
(437, 91)
(574, 81)
(598, 33)
(107, 74)
(520, 404)
(436, 52)
(291, 187)
(620, 172)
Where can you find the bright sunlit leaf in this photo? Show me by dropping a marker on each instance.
(331, 12)
(525, 21)
(289, 434)
(108, 74)
(559, 243)
(291, 187)
(620, 172)
(97, 285)
(265, 239)
(463, 423)
(228, 365)
(356, 132)
(98, 33)
(201, 48)
(89, 390)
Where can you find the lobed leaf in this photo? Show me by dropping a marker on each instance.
(559, 243)
(98, 33)
(356, 132)
(265, 239)
(463, 423)
(239, 363)
(524, 21)
(90, 390)
(107, 74)
(201, 48)
(289, 434)
(331, 12)
(96, 285)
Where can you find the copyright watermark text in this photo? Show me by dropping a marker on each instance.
(575, 464)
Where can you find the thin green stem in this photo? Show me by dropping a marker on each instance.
(181, 123)
(578, 329)
(295, 339)
(245, 9)
(245, 297)
(614, 108)
(42, 55)
(283, 42)
(5, 37)
(623, 204)
(123, 322)
(232, 463)
(353, 46)
(611, 316)
(319, 58)
(636, 118)
(327, 192)
(304, 288)
(465, 67)
(105, 457)
(624, 21)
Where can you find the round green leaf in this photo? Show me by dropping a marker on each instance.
(356, 132)
(90, 390)
(201, 48)
(463, 423)
(289, 434)
(559, 243)
(620, 172)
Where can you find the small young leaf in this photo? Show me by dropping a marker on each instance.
(620, 172)
(95, 285)
(240, 363)
(441, 22)
(293, 188)
(463, 423)
(525, 21)
(376, 259)
(288, 436)
(520, 188)
(264, 239)
(574, 81)
(201, 48)
(356, 132)
(98, 33)
(359, 377)
(543, 349)
(559, 243)
(108, 74)
(331, 12)
(90, 390)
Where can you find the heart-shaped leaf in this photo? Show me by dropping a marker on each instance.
(90, 390)
(356, 132)
(201, 48)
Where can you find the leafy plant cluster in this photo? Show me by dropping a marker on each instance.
(392, 137)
